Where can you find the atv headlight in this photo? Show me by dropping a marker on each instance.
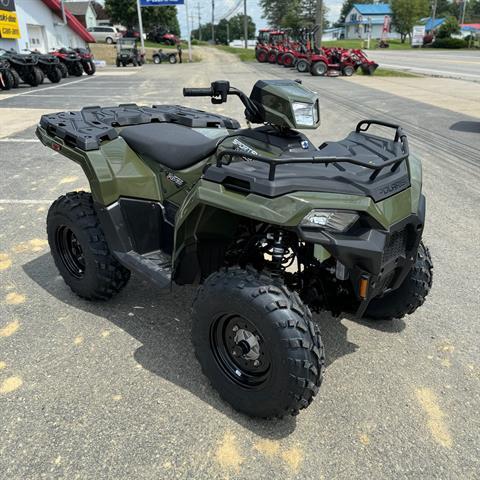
(305, 113)
(334, 220)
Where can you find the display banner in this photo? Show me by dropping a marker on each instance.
(8, 20)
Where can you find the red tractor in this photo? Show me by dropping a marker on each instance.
(268, 42)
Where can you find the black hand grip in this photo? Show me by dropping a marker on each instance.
(197, 92)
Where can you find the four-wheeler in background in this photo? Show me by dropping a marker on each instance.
(160, 56)
(49, 64)
(71, 61)
(23, 67)
(87, 60)
(128, 53)
(7, 80)
(161, 35)
(268, 227)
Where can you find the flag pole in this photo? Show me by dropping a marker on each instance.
(140, 26)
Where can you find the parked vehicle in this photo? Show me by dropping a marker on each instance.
(50, 66)
(23, 67)
(71, 60)
(269, 225)
(105, 34)
(128, 53)
(161, 35)
(160, 56)
(87, 60)
(7, 81)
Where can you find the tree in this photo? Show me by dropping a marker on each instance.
(406, 13)
(125, 13)
(235, 29)
(290, 13)
(448, 28)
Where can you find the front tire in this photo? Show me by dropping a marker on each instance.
(302, 66)
(63, 69)
(54, 75)
(80, 250)
(410, 295)
(256, 343)
(319, 69)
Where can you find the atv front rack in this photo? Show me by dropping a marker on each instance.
(400, 139)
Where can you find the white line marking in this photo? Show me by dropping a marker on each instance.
(10, 201)
(29, 92)
(19, 140)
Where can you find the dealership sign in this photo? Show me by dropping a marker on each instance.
(8, 20)
(158, 3)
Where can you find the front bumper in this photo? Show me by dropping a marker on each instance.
(381, 256)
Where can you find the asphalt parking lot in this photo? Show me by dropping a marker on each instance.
(113, 390)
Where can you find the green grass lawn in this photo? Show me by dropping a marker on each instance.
(245, 54)
(357, 43)
(385, 72)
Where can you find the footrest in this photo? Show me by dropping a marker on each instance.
(154, 266)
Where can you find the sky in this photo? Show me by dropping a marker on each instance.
(223, 6)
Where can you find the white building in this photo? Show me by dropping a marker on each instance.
(84, 12)
(41, 27)
(364, 16)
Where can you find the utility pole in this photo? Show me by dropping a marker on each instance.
(319, 22)
(228, 32)
(213, 20)
(245, 23)
(189, 32)
(434, 11)
(199, 22)
(140, 26)
(463, 12)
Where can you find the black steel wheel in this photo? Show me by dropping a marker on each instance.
(80, 250)
(256, 343)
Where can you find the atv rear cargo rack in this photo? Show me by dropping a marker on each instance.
(400, 139)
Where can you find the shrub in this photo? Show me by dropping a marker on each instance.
(449, 43)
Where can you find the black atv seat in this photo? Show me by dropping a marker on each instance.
(174, 146)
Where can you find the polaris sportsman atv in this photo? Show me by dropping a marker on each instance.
(49, 64)
(267, 224)
(23, 67)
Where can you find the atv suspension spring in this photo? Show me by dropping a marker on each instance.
(278, 251)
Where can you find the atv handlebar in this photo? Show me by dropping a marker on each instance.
(219, 91)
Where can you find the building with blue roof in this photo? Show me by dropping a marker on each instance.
(365, 16)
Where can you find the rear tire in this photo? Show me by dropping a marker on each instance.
(16, 78)
(109, 40)
(157, 60)
(80, 250)
(288, 60)
(35, 77)
(256, 343)
(319, 69)
(54, 75)
(63, 69)
(303, 66)
(410, 295)
(8, 80)
(77, 69)
(172, 59)
(91, 69)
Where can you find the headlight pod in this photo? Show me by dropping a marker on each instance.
(305, 113)
(332, 220)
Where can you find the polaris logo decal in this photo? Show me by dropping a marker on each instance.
(393, 187)
(179, 183)
(243, 147)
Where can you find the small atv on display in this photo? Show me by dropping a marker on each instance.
(127, 52)
(160, 56)
(7, 80)
(87, 60)
(71, 61)
(23, 67)
(269, 226)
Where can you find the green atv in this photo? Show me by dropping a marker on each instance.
(269, 226)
